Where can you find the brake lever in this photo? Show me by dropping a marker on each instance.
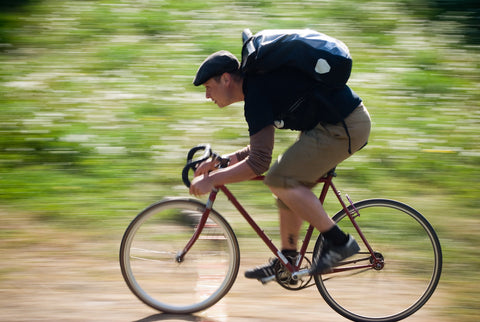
(222, 162)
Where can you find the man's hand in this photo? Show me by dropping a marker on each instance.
(201, 185)
(205, 167)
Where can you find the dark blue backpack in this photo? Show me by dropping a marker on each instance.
(326, 59)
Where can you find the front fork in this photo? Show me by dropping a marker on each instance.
(201, 224)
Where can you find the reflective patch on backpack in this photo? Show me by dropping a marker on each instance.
(322, 66)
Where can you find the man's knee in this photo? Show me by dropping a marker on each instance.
(284, 192)
(281, 204)
(278, 193)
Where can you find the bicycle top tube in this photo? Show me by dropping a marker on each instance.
(330, 174)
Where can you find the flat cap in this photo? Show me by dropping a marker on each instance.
(216, 64)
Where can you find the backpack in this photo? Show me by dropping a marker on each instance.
(325, 59)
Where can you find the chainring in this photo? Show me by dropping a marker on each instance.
(284, 276)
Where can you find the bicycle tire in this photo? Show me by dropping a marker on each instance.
(148, 257)
(412, 264)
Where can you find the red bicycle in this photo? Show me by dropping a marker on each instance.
(180, 255)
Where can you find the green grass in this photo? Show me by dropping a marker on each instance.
(98, 111)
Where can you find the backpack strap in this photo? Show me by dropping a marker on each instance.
(349, 138)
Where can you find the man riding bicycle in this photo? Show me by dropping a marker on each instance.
(294, 174)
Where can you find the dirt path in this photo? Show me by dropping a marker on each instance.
(47, 275)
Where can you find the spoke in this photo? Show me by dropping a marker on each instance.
(353, 273)
(143, 250)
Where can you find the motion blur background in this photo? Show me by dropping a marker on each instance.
(98, 111)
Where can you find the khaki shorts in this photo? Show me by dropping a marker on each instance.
(319, 150)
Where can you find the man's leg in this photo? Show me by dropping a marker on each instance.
(303, 204)
(289, 228)
(289, 231)
(337, 245)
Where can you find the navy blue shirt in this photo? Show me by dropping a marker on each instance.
(267, 96)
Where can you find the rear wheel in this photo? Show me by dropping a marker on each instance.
(404, 273)
(149, 263)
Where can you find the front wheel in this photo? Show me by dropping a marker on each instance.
(154, 273)
(408, 265)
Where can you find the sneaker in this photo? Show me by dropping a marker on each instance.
(331, 255)
(267, 271)
(263, 272)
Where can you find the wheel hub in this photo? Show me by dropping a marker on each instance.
(378, 262)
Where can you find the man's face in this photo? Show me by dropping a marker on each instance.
(217, 91)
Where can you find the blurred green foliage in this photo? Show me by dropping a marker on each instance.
(466, 13)
(98, 109)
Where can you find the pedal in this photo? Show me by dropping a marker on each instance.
(301, 273)
(266, 280)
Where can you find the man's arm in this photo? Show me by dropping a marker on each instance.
(255, 159)
(204, 183)
(238, 172)
(257, 162)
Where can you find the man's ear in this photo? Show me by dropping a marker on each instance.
(226, 79)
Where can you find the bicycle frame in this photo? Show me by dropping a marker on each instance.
(375, 262)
